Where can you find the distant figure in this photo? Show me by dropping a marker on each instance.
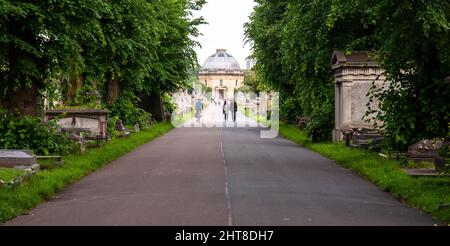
(198, 109)
(234, 109)
(226, 110)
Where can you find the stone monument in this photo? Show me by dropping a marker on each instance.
(93, 121)
(425, 150)
(354, 74)
(21, 159)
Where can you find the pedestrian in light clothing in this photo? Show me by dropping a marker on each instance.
(226, 110)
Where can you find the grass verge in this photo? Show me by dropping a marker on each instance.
(180, 119)
(46, 183)
(8, 174)
(260, 119)
(429, 194)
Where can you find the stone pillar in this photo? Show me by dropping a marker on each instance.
(337, 111)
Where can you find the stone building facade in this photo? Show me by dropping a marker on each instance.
(222, 73)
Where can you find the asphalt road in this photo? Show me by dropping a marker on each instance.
(222, 176)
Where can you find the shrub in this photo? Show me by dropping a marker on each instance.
(18, 132)
(126, 109)
(169, 106)
(320, 125)
(290, 109)
(112, 132)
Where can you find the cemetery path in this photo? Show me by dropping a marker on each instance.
(222, 176)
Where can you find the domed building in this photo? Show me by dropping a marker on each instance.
(222, 73)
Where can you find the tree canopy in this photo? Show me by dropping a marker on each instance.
(105, 45)
(293, 41)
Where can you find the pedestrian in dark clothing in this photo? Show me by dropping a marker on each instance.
(234, 109)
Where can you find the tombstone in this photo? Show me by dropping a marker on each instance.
(93, 121)
(21, 159)
(137, 128)
(425, 150)
(354, 76)
(123, 132)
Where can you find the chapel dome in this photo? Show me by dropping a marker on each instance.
(221, 60)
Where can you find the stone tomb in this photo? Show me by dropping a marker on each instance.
(22, 159)
(76, 121)
(354, 76)
(425, 150)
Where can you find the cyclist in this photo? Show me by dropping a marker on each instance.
(198, 109)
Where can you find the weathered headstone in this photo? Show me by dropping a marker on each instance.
(123, 132)
(137, 128)
(22, 159)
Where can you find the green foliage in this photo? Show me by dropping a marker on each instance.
(293, 41)
(145, 44)
(320, 125)
(169, 106)
(290, 110)
(88, 97)
(29, 132)
(412, 46)
(112, 132)
(126, 108)
(9, 174)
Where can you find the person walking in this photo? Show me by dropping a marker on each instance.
(226, 110)
(234, 110)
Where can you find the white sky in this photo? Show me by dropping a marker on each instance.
(224, 29)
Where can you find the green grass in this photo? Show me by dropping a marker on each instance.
(45, 184)
(180, 119)
(8, 174)
(424, 193)
(258, 118)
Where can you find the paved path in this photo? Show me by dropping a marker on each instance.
(222, 176)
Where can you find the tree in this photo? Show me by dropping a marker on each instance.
(414, 49)
(36, 39)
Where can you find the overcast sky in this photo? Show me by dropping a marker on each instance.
(225, 29)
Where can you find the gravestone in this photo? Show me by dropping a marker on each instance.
(21, 159)
(123, 132)
(137, 128)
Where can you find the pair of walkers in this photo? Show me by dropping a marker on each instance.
(229, 107)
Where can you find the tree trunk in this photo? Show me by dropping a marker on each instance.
(113, 89)
(24, 100)
(20, 97)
